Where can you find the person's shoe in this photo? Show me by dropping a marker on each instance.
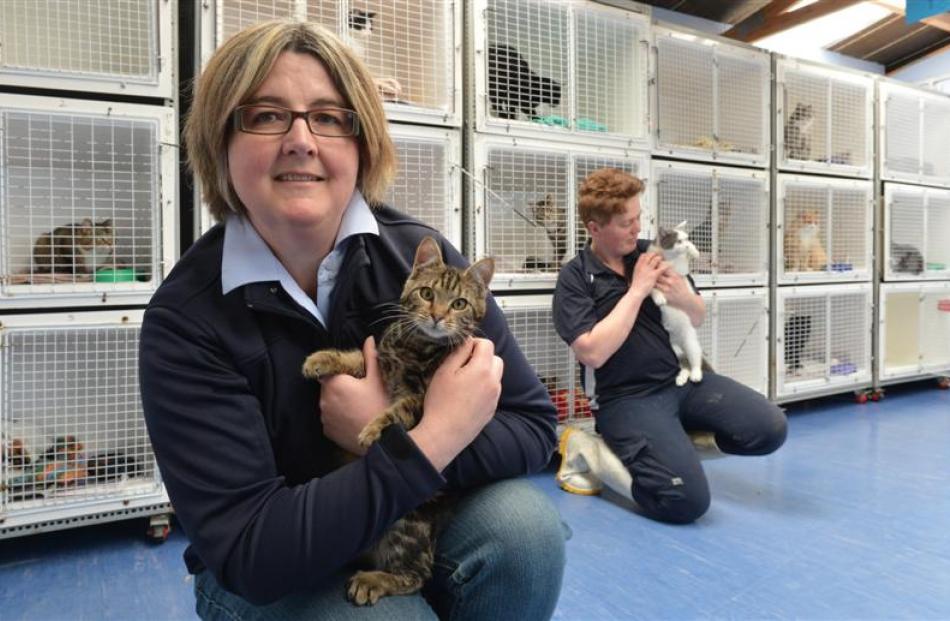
(574, 474)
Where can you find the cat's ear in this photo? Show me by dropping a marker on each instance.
(86, 222)
(370, 14)
(427, 252)
(482, 270)
(680, 227)
(106, 222)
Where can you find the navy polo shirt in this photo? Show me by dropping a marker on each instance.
(586, 292)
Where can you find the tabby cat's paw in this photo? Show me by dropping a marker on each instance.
(369, 435)
(317, 365)
(366, 587)
(681, 377)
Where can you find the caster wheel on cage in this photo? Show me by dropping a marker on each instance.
(877, 395)
(159, 527)
(861, 397)
(943, 383)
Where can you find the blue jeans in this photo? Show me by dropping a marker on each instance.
(649, 435)
(501, 557)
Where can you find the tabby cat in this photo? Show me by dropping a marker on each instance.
(441, 306)
(78, 248)
(676, 248)
(804, 249)
(798, 132)
(549, 216)
(906, 259)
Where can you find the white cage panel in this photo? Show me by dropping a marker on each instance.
(525, 205)
(86, 197)
(914, 325)
(577, 70)
(637, 165)
(915, 130)
(822, 340)
(412, 47)
(72, 428)
(735, 335)
(529, 318)
(727, 218)
(917, 232)
(427, 184)
(824, 119)
(824, 229)
(120, 46)
(712, 99)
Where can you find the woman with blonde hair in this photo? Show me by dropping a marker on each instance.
(289, 141)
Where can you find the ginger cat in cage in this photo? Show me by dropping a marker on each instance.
(804, 249)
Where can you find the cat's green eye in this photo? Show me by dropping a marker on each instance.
(426, 293)
(459, 303)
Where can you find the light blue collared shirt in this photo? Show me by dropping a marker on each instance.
(247, 258)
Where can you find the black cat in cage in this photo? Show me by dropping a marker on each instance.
(513, 87)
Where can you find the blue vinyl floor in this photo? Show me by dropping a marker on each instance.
(849, 520)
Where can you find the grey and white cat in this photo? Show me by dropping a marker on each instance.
(676, 249)
(798, 132)
(440, 306)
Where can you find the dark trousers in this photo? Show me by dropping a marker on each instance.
(649, 435)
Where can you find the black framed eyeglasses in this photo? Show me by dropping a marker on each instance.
(272, 120)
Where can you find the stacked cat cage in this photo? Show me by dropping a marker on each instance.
(413, 49)
(710, 171)
(88, 188)
(914, 298)
(559, 88)
(823, 230)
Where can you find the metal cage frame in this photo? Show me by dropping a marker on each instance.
(783, 277)
(111, 501)
(164, 217)
(786, 67)
(639, 18)
(717, 47)
(482, 195)
(931, 139)
(210, 32)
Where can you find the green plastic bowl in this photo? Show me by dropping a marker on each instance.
(122, 274)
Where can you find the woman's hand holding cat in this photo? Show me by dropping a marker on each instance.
(675, 288)
(460, 401)
(348, 403)
(645, 273)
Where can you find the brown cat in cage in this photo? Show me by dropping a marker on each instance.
(804, 250)
(77, 248)
(440, 306)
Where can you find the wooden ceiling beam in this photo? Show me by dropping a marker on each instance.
(771, 19)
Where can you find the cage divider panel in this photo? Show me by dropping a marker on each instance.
(917, 233)
(712, 99)
(69, 386)
(119, 48)
(915, 129)
(935, 328)
(734, 335)
(427, 181)
(85, 187)
(914, 321)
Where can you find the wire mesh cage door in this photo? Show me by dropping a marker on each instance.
(735, 335)
(935, 327)
(726, 215)
(119, 47)
(824, 229)
(529, 319)
(825, 120)
(523, 53)
(901, 334)
(82, 194)
(905, 232)
(526, 204)
(410, 46)
(915, 129)
(712, 101)
(637, 165)
(937, 252)
(72, 427)
(823, 343)
(427, 182)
